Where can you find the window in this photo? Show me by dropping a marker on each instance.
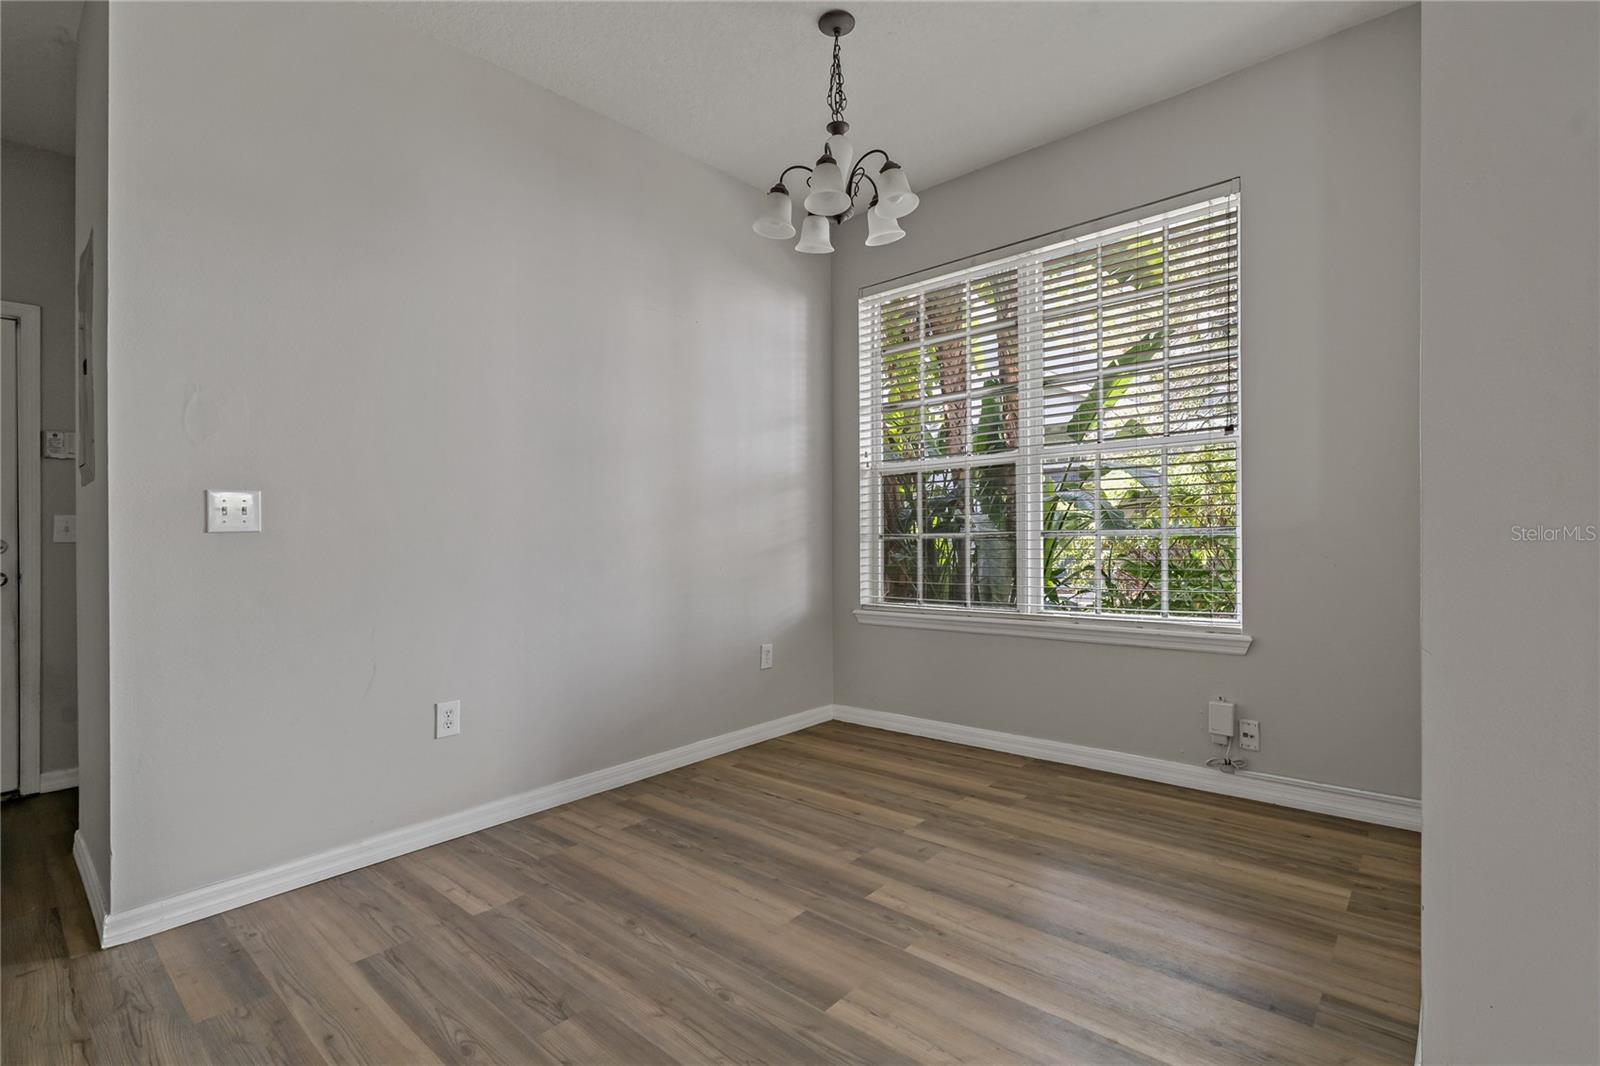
(1052, 431)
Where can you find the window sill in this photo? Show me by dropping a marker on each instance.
(1174, 636)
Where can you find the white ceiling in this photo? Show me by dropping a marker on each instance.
(946, 88)
(38, 73)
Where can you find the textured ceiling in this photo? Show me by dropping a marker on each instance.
(945, 87)
(38, 73)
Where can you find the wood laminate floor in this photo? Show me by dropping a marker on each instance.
(836, 895)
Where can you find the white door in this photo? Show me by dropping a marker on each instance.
(10, 697)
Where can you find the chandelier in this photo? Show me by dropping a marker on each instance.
(831, 198)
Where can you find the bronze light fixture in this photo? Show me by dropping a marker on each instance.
(834, 184)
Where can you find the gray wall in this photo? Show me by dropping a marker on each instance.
(38, 267)
(539, 423)
(1510, 628)
(94, 679)
(1325, 140)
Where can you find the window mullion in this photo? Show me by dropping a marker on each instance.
(967, 429)
(1029, 491)
(1100, 413)
(1166, 405)
(871, 370)
(922, 439)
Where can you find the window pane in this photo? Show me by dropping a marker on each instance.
(1132, 326)
(899, 504)
(902, 433)
(994, 422)
(946, 310)
(1202, 576)
(1130, 569)
(944, 570)
(945, 369)
(994, 299)
(1200, 321)
(1071, 411)
(1204, 247)
(944, 428)
(994, 499)
(944, 501)
(1134, 403)
(900, 321)
(1071, 302)
(900, 570)
(1134, 263)
(1072, 341)
(1069, 573)
(994, 358)
(994, 571)
(1130, 490)
(902, 372)
(1204, 396)
(1203, 489)
(1069, 496)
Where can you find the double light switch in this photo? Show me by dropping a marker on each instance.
(233, 512)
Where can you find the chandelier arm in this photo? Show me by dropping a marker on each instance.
(876, 151)
(797, 166)
(855, 185)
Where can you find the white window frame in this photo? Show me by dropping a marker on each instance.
(1029, 618)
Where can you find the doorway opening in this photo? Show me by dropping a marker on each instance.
(20, 548)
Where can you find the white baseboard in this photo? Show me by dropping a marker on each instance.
(56, 780)
(119, 927)
(1398, 811)
(93, 887)
(137, 922)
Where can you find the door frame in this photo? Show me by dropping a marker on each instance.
(30, 540)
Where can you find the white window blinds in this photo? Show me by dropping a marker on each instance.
(1053, 428)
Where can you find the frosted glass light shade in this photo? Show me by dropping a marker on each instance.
(827, 196)
(895, 197)
(881, 229)
(843, 152)
(775, 221)
(815, 236)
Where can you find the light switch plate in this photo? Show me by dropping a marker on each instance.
(64, 528)
(233, 512)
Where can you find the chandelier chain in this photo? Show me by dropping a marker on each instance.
(836, 97)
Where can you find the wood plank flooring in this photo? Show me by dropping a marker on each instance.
(836, 895)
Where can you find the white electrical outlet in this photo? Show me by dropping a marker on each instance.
(233, 512)
(446, 719)
(766, 656)
(1249, 734)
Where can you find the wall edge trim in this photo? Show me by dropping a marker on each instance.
(135, 923)
(1400, 812)
(56, 780)
(93, 887)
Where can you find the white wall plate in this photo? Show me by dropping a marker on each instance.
(233, 512)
